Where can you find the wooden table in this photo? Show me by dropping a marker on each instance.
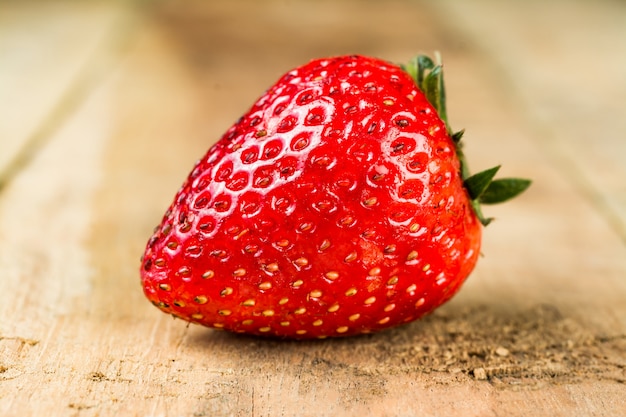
(105, 106)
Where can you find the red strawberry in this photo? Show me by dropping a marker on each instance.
(340, 204)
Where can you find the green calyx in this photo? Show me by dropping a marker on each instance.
(481, 187)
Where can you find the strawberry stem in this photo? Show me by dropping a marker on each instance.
(481, 187)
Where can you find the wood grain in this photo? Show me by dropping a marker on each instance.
(539, 329)
(51, 56)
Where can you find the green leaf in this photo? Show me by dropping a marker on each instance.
(428, 76)
(456, 136)
(503, 189)
(422, 63)
(411, 68)
(479, 213)
(434, 90)
(477, 184)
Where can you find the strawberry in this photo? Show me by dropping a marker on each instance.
(339, 204)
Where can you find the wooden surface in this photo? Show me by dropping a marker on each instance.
(104, 107)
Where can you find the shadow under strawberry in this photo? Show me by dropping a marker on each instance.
(509, 348)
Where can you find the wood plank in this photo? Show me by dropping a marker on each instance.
(544, 326)
(50, 53)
